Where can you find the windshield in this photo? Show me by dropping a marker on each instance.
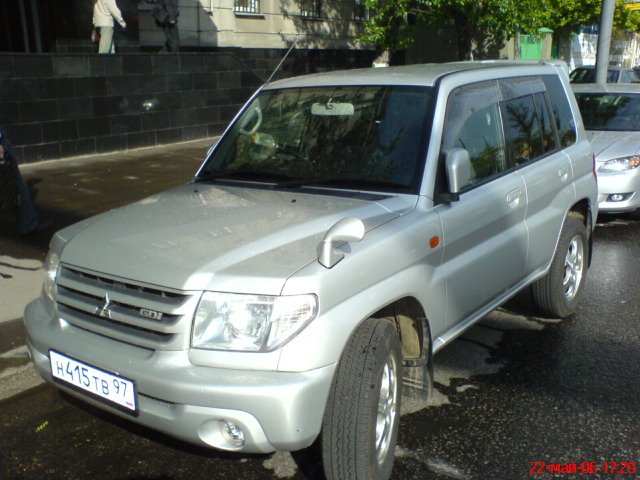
(610, 111)
(355, 137)
(588, 75)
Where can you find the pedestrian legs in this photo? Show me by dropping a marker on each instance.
(172, 37)
(26, 215)
(106, 40)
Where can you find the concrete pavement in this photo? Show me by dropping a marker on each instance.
(72, 189)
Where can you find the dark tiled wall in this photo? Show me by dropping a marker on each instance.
(56, 106)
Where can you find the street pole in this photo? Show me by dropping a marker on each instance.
(25, 28)
(604, 40)
(36, 25)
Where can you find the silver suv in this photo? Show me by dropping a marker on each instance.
(345, 228)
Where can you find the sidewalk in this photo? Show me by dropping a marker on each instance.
(70, 190)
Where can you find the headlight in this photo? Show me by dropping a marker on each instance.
(257, 323)
(620, 164)
(51, 265)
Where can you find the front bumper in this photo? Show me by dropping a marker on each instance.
(275, 410)
(626, 184)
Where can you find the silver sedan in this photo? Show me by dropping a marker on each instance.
(611, 115)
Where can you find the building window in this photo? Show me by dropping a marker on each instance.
(310, 8)
(360, 11)
(246, 6)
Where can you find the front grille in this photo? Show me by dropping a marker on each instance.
(142, 315)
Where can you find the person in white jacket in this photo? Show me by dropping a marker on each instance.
(104, 12)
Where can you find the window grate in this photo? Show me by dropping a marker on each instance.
(360, 11)
(310, 8)
(246, 6)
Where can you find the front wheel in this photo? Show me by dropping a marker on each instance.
(556, 294)
(360, 425)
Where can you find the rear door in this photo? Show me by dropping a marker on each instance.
(536, 133)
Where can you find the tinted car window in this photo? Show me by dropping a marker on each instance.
(366, 137)
(522, 125)
(473, 123)
(613, 76)
(583, 75)
(588, 75)
(544, 115)
(609, 111)
(561, 110)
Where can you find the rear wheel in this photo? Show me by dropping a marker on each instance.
(360, 425)
(556, 294)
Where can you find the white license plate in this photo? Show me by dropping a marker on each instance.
(108, 386)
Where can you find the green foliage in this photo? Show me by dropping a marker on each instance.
(393, 22)
(626, 19)
(566, 16)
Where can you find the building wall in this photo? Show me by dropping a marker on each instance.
(207, 23)
(55, 106)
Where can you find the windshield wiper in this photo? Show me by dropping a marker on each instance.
(346, 182)
(250, 175)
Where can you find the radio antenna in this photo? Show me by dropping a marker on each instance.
(281, 62)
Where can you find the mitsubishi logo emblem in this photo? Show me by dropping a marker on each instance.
(104, 311)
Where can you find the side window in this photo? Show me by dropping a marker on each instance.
(548, 134)
(473, 123)
(562, 114)
(525, 132)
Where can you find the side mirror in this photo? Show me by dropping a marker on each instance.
(458, 165)
(349, 229)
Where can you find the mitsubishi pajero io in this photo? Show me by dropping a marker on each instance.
(345, 228)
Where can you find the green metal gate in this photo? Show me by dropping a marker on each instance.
(530, 47)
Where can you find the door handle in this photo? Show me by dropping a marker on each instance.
(514, 196)
(563, 173)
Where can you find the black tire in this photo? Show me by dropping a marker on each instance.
(356, 443)
(557, 293)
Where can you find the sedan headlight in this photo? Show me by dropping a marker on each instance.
(51, 265)
(257, 323)
(621, 164)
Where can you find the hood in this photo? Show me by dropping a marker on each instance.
(608, 145)
(199, 237)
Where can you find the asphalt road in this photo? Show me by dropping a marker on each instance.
(512, 391)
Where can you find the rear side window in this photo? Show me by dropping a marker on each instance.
(561, 111)
(544, 114)
(527, 119)
(521, 122)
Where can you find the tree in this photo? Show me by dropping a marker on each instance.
(626, 19)
(476, 22)
(566, 16)
(479, 23)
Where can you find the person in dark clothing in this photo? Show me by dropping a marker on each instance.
(26, 214)
(166, 15)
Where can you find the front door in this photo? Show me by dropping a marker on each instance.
(485, 236)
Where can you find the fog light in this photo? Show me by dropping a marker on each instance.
(232, 433)
(619, 197)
